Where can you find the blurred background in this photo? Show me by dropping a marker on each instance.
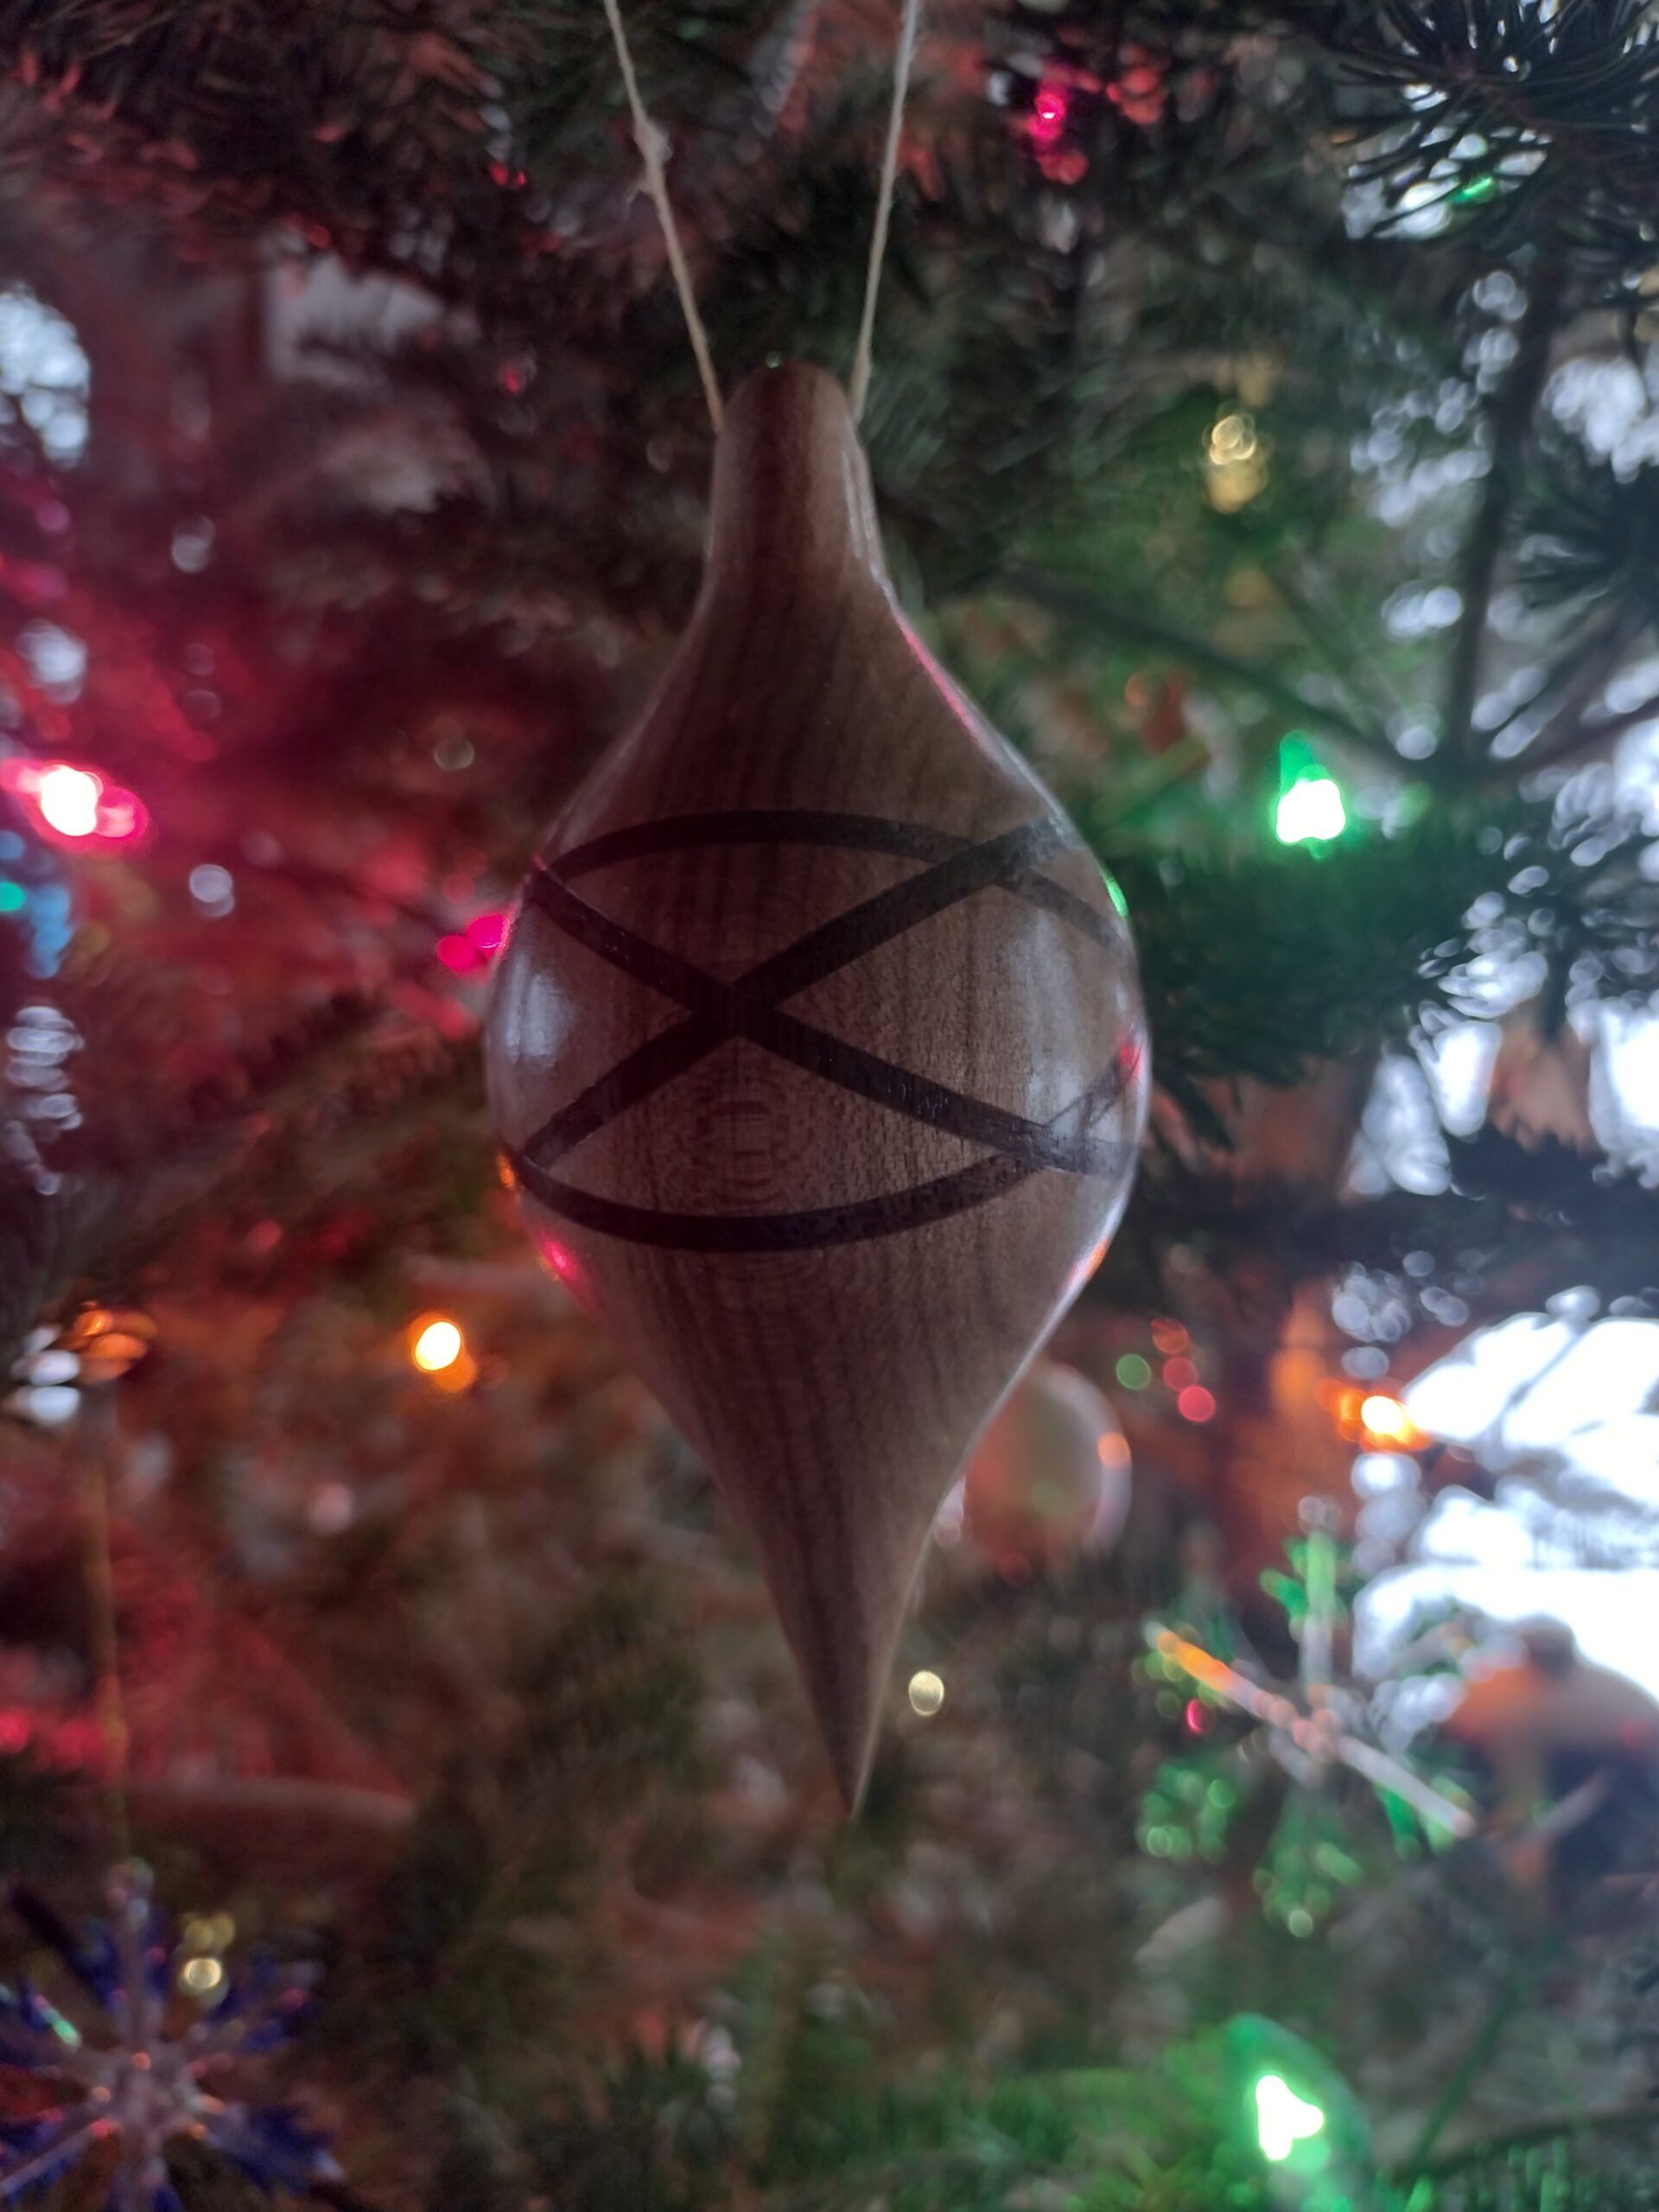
(1265, 426)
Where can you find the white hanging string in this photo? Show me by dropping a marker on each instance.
(860, 383)
(652, 142)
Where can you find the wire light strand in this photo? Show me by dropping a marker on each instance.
(652, 142)
(860, 383)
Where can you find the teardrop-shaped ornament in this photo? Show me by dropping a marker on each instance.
(817, 1050)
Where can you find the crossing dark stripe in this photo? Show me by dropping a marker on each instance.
(747, 1008)
(849, 833)
(952, 868)
(814, 1227)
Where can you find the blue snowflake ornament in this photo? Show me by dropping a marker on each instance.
(143, 2081)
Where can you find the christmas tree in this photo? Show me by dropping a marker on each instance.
(407, 1797)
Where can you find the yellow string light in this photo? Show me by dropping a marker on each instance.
(435, 1343)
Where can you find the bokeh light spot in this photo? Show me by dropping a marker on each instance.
(438, 1344)
(1387, 1418)
(201, 1977)
(68, 798)
(926, 1692)
(1310, 809)
(1282, 2118)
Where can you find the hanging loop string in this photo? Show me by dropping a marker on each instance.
(652, 142)
(860, 383)
(654, 154)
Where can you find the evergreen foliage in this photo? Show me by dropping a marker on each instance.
(364, 600)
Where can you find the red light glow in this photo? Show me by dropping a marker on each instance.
(1195, 1403)
(1048, 114)
(561, 1261)
(68, 798)
(1180, 1374)
(459, 954)
(464, 953)
(73, 804)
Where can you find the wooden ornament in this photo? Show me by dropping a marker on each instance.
(816, 1049)
(1050, 1478)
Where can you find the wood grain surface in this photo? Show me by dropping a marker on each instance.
(817, 1050)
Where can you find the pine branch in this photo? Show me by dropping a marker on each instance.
(1509, 424)
(1521, 1972)
(1590, 538)
(1570, 732)
(1078, 604)
(1545, 1212)
(1517, 112)
(1499, 2152)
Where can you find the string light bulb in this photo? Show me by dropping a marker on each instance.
(437, 1343)
(203, 1976)
(437, 1348)
(1309, 811)
(1385, 1419)
(1311, 807)
(1236, 463)
(73, 803)
(1282, 2118)
(68, 798)
(1048, 114)
(1233, 439)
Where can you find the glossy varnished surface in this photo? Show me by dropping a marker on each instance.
(816, 1050)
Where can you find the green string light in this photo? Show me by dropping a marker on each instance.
(1309, 808)
(1282, 2118)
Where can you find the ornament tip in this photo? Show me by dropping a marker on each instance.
(847, 1732)
(853, 1779)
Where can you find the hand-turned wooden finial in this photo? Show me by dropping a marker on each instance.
(817, 1050)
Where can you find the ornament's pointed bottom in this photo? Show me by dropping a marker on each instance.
(844, 1674)
(852, 1776)
(840, 1550)
(849, 1740)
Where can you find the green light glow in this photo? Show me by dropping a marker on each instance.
(1133, 1372)
(12, 896)
(1282, 2118)
(1309, 808)
(1310, 799)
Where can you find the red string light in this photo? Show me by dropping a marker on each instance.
(1048, 114)
(74, 806)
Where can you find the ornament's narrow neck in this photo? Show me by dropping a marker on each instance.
(792, 504)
